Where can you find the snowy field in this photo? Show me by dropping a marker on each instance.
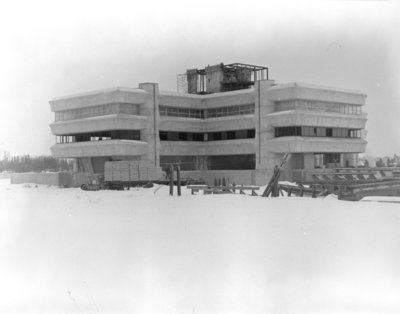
(141, 251)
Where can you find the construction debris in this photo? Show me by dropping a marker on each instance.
(273, 187)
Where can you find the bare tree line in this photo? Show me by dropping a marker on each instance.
(27, 163)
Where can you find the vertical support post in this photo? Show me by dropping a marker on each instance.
(171, 180)
(340, 192)
(178, 179)
(314, 192)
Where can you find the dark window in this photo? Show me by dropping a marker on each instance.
(241, 134)
(231, 162)
(103, 135)
(198, 137)
(185, 162)
(332, 158)
(287, 131)
(317, 131)
(182, 136)
(173, 136)
(231, 135)
(251, 133)
(163, 136)
(212, 136)
(216, 136)
(207, 113)
(224, 136)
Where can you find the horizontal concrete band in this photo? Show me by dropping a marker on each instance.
(298, 144)
(229, 147)
(102, 97)
(99, 148)
(232, 98)
(102, 123)
(318, 93)
(208, 125)
(317, 119)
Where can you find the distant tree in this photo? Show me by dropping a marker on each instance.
(380, 163)
(26, 163)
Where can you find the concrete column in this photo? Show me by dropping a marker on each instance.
(201, 162)
(309, 161)
(150, 134)
(350, 160)
(264, 132)
(75, 165)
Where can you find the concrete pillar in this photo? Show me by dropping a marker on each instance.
(309, 161)
(350, 160)
(75, 165)
(342, 160)
(201, 162)
(150, 134)
(264, 132)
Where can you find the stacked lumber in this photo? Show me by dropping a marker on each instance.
(134, 171)
(124, 171)
(131, 171)
(154, 173)
(108, 171)
(116, 171)
(143, 172)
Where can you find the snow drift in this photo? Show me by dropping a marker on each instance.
(141, 251)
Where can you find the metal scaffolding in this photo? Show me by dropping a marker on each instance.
(231, 77)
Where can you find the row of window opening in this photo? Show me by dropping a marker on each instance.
(206, 113)
(317, 132)
(94, 111)
(219, 162)
(206, 137)
(99, 136)
(312, 105)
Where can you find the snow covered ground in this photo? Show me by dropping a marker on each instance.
(142, 251)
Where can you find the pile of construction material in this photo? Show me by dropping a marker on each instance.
(131, 171)
(350, 183)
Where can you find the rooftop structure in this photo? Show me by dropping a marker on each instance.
(221, 78)
(237, 124)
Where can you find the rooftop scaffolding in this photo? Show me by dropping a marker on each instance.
(220, 78)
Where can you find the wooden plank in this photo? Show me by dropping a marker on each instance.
(205, 187)
(272, 185)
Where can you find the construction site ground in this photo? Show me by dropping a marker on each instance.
(143, 251)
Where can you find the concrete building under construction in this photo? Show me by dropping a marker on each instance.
(228, 121)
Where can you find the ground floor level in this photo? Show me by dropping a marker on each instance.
(239, 168)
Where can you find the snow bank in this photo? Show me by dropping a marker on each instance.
(383, 199)
(142, 251)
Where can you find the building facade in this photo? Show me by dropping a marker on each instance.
(227, 123)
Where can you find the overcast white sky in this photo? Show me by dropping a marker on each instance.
(55, 48)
